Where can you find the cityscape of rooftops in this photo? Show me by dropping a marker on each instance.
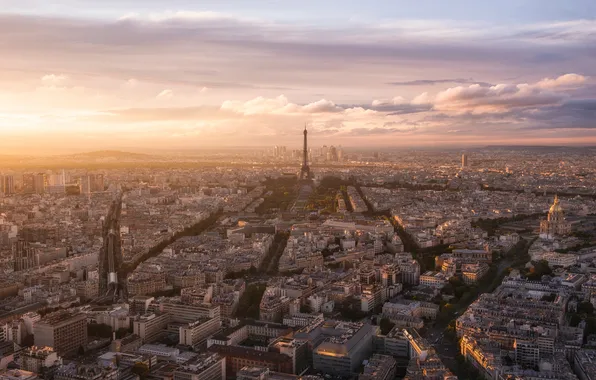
(308, 190)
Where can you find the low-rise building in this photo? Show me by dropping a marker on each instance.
(379, 367)
(149, 326)
(433, 279)
(207, 366)
(75, 371)
(472, 273)
(345, 347)
(35, 358)
(197, 332)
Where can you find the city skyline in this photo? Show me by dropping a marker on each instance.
(299, 264)
(76, 76)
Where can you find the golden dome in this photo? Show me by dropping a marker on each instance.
(556, 207)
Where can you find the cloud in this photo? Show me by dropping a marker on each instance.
(562, 81)
(53, 79)
(185, 16)
(279, 105)
(305, 55)
(432, 82)
(381, 131)
(131, 83)
(177, 114)
(503, 97)
(401, 106)
(556, 32)
(572, 114)
(165, 94)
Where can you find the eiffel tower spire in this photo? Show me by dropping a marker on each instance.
(305, 169)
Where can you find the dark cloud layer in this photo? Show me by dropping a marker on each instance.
(188, 48)
(431, 82)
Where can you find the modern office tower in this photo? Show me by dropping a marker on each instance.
(85, 184)
(110, 254)
(56, 179)
(332, 154)
(279, 151)
(97, 182)
(8, 185)
(23, 255)
(464, 161)
(305, 169)
(39, 183)
(324, 151)
(28, 183)
(64, 331)
(56, 183)
(92, 183)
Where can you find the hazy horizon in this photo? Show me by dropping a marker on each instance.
(80, 76)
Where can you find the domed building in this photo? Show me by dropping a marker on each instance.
(555, 224)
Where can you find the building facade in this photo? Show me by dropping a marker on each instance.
(555, 224)
(65, 332)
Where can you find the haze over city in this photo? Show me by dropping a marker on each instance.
(87, 75)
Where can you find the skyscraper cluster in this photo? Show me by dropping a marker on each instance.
(92, 183)
(330, 153)
(6, 184)
(279, 151)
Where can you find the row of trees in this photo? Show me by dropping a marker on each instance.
(193, 230)
(281, 197)
(249, 304)
(100, 330)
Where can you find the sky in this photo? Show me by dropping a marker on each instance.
(79, 75)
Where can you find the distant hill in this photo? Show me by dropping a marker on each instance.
(111, 154)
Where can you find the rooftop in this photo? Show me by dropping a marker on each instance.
(200, 363)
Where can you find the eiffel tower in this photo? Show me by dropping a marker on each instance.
(305, 169)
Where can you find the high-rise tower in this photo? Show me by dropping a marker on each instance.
(24, 256)
(6, 184)
(305, 169)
